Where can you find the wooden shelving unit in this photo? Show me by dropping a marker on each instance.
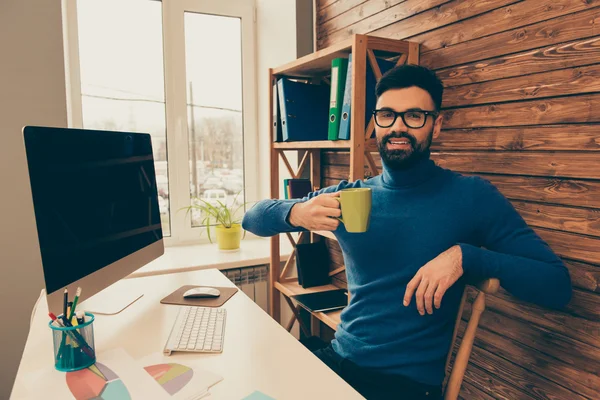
(317, 65)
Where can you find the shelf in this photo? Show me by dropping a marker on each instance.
(293, 288)
(327, 234)
(317, 144)
(317, 63)
(370, 145)
(331, 319)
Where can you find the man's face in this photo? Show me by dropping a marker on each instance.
(400, 145)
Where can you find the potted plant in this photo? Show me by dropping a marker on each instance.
(228, 223)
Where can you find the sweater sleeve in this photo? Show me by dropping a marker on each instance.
(514, 253)
(270, 217)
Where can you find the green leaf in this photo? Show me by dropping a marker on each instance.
(208, 230)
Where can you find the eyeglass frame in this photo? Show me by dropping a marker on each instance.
(401, 114)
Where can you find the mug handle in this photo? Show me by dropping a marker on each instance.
(339, 218)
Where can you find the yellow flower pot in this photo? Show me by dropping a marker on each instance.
(229, 238)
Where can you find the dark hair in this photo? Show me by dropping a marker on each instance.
(404, 76)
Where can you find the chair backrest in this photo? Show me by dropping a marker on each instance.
(453, 381)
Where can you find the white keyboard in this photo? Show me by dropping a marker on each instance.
(197, 329)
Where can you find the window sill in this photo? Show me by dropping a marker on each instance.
(204, 256)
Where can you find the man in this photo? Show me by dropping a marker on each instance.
(406, 274)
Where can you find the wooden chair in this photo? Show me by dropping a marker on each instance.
(453, 381)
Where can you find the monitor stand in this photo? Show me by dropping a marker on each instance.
(112, 300)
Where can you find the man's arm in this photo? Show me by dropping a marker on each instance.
(514, 253)
(270, 217)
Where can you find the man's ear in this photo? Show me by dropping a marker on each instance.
(437, 126)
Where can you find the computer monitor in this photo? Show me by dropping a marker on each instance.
(96, 207)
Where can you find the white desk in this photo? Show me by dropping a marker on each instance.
(258, 354)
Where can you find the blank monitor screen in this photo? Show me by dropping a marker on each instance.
(95, 199)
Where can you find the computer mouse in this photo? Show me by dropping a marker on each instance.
(199, 292)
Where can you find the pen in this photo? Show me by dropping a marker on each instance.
(77, 294)
(69, 307)
(65, 302)
(73, 334)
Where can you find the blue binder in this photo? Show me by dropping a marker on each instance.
(277, 132)
(370, 101)
(344, 133)
(304, 110)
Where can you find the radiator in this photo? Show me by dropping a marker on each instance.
(252, 281)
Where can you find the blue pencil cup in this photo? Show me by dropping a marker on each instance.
(74, 346)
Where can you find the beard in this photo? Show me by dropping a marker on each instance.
(402, 159)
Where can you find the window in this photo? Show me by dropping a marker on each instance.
(183, 71)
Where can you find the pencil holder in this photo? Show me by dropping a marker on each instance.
(74, 346)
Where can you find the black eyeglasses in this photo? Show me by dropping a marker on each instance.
(413, 119)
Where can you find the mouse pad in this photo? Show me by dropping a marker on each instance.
(177, 297)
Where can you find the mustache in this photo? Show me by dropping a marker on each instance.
(402, 135)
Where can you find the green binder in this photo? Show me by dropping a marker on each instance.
(338, 81)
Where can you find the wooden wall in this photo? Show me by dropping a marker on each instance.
(522, 109)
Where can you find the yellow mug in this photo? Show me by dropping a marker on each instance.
(355, 204)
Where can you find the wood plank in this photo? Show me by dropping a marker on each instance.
(327, 234)
(584, 276)
(571, 192)
(351, 12)
(469, 391)
(585, 221)
(335, 10)
(388, 46)
(321, 4)
(573, 327)
(584, 305)
(575, 137)
(502, 19)
(293, 288)
(331, 319)
(570, 351)
(492, 384)
(547, 84)
(370, 20)
(581, 382)
(558, 191)
(446, 15)
(571, 109)
(572, 246)
(530, 385)
(556, 164)
(570, 27)
(565, 55)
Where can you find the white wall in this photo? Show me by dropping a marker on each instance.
(32, 92)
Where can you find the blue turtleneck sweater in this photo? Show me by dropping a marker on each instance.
(417, 214)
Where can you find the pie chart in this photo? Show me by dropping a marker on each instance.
(97, 382)
(172, 377)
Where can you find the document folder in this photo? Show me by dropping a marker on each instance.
(344, 132)
(304, 110)
(371, 100)
(277, 133)
(323, 301)
(338, 79)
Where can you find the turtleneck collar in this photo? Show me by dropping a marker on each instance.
(420, 172)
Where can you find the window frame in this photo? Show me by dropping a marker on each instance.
(174, 64)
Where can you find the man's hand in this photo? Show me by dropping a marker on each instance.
(316, 213)
(433, 279)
